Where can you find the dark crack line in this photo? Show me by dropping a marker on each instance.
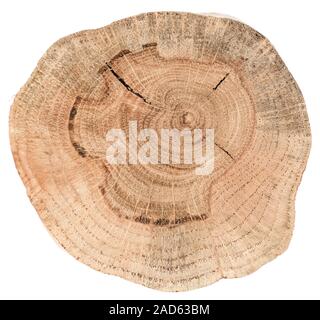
(224, 150)
(76, 145)
(128, 87)
(220, 82)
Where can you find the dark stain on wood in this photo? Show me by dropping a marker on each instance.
(81, 150)
(148, 45)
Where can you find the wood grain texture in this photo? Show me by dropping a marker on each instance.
(161, 225)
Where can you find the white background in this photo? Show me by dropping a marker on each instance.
(32, 265)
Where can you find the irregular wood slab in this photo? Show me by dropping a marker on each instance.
(161, 225)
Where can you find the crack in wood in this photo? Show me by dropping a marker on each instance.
(127, 86)
(76, 145)
(220, 82)
(224, 150)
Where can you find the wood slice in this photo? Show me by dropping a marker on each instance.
(162, 225)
